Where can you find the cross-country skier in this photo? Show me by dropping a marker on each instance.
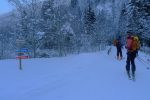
(118, 44)
(132, 47)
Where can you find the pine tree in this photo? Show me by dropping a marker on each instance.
(48, 14)
(145, 21)
(139, 18)
(74, 3)
(123, 20)
(89, 25)
(90, 19)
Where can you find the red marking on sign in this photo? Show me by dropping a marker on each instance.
(22, 57)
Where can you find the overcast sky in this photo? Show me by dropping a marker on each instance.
(4, 6)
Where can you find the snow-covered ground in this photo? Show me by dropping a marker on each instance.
(91, 76)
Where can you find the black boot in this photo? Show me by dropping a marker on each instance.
(128, 73)
(133, 75)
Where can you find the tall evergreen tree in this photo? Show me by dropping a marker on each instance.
(74, 3)
(89, 25)
(90, 20)
(139, 18)
(48, 14)
(122, 29)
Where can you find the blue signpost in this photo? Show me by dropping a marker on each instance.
(21, 51)
(21, 54)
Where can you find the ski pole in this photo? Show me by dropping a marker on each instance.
(143, 62)
(109, 51)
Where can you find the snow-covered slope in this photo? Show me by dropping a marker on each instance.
(93, 76)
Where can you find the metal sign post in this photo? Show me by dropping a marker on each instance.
(20, 64)
(20, 44)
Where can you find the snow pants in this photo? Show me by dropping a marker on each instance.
(119, 52)
(131, 60)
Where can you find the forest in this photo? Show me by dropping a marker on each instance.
(56, 28)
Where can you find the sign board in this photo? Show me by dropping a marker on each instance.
(22, 50)
(22, 57)
(22, 53)
(20, 43)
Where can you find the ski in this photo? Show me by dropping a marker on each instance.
(144, 62)
(148, 60)
(131, 77)
(120, 59)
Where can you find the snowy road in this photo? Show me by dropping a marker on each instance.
(91, 76)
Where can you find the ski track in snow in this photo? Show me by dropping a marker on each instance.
(91, 76)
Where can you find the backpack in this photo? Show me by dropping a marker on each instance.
(136, 44)
(118, 44)
(129, 44)
(132, 44)
(115, 42)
